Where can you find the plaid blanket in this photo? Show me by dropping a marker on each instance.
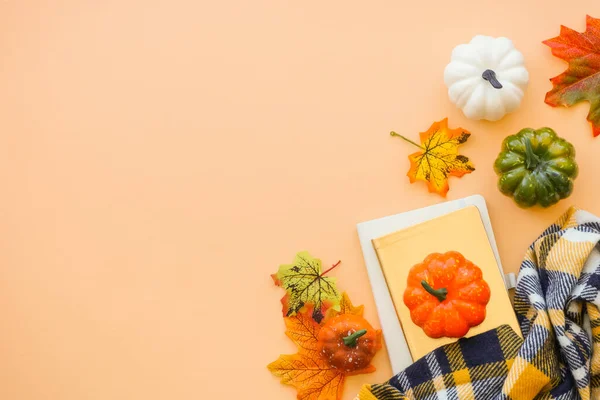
(557, 300)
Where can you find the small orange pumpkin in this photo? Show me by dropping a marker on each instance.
(348, 342)
(446, 295)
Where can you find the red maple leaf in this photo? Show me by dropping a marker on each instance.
(581, 80)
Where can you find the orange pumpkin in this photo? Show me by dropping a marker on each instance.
(446, 295)
(348, 342)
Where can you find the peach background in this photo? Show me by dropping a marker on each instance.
(160, 158)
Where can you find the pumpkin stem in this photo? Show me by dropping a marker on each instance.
(350, 340)
(490, 76)
(532, 160)
(392, 133)
(440, 293)
(334, 265)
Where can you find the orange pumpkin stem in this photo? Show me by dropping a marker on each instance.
(440, 293)
(350, 340)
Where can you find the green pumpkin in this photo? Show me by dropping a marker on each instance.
(536, 167)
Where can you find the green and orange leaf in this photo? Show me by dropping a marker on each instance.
(438, 157)
(581, 80)
(305, 283)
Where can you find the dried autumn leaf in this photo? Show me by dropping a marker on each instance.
(311, 376)
(308, 371)
(303, 330)
(346, 307)
(438, 156)
(305, 283)
(581, 80)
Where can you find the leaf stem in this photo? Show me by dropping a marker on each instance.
(334, 265)
(392, 133)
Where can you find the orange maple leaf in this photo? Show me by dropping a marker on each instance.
(308, 371)
(438, 157)
(303, 330)
(311, 376)
(346, 307)
(581, 80)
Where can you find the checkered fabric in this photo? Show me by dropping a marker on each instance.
(557, 300)
(466, 369)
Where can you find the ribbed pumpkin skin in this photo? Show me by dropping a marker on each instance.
(542, 174)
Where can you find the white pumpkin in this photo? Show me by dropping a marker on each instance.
(486, 78)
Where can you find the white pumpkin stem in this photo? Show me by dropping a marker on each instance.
(392, 133)
(490, 76)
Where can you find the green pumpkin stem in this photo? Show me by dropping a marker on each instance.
(351, 340)
(440, 293)
(532, 160)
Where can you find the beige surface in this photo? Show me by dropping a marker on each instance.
(160, 158)
(461, 231)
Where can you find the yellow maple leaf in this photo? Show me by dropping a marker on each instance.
(438, 156)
